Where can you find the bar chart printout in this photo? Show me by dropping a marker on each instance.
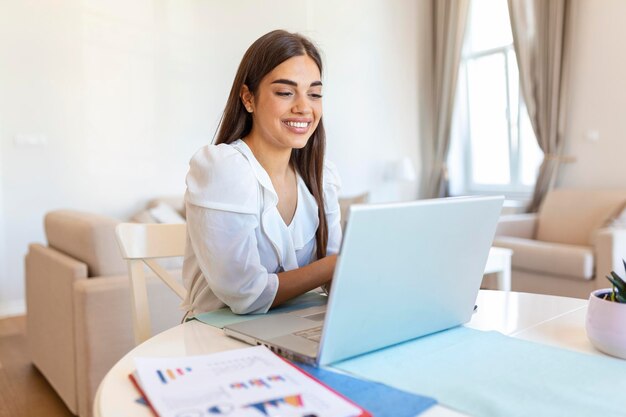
(248, 382)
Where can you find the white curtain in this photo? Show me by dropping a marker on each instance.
(540, 32)
(449, 21)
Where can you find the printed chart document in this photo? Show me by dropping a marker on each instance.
(248, 382)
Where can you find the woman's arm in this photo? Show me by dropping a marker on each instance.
(298, 281)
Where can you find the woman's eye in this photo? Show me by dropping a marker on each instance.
(315, 95)
(283, 93)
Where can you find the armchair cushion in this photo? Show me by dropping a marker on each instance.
(549, 258)
(87, 237)
(571, 216)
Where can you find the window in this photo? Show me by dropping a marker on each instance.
(493, 147)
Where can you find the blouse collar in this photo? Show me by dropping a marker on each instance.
(260, 172)
(286, 240)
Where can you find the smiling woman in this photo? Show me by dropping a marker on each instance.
(262, 203)
(285, 111)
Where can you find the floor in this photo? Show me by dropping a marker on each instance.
(24, 392)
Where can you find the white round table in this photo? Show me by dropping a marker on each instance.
(556, 321)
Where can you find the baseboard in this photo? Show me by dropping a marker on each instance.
(12, 308)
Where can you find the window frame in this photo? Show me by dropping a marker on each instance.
(515, 188)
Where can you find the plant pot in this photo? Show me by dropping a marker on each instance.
(606, 324)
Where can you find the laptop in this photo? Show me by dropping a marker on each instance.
(405, 270)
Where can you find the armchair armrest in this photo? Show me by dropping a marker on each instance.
(610, 249)
(517, 225)
(50, 278)
(103, 332)
(104, 329)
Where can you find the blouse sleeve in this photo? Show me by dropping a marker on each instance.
(226, 250)
(221, 178)
(222, 205)
(332, 186)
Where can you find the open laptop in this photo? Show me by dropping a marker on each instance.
(405, 270)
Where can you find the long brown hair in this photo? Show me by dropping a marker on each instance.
(265, 54)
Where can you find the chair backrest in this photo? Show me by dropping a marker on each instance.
(142, 244)
(571, 216)
(346, 202)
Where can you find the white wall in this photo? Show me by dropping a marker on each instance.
(597, 97)
(371, 103)
(123, 92)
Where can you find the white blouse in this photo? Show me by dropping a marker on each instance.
(236, 239)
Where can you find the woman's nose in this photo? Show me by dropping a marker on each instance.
(301, 106)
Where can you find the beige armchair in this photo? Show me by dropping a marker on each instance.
(568, 247)
(79, 310)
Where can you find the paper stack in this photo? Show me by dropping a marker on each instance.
(249, 382)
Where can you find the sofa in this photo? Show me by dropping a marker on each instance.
(78, 300)
(577, 237)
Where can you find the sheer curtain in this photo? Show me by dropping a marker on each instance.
(540, 32)
(449, 19)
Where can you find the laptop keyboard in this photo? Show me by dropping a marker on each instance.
(313, 334)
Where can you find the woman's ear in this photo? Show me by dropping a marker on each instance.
(247, 98)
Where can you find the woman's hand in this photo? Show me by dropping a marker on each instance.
(298, 281)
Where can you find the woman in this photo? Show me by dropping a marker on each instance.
(262, 206)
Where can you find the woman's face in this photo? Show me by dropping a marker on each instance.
(288, 104)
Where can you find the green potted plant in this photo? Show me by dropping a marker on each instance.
(606, 317)
(618, 293)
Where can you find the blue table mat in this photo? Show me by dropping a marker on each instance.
(379, 399)
(489, 374)
(224, 316)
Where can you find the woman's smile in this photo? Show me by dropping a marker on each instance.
(298, 126)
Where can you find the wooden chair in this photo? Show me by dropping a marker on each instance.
(141, 244)
(346, 202)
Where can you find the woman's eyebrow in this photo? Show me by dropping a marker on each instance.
(293, 83)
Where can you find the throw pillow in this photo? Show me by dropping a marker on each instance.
(164, 213)
(143, 216)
